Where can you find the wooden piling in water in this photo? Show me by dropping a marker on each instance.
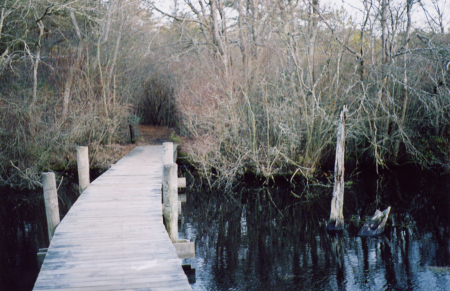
(51, 202)
(41, 256)
(182, 197)
(83, 167)
(170, 199)
(175, 152)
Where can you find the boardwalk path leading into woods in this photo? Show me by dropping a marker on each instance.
(113, 237)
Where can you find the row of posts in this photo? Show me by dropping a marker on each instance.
(169, 186)
(170, 190)
(171, 207)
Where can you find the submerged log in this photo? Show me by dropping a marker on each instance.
(376, 224)
(336, 222)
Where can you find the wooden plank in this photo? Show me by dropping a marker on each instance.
(182, 182)
(160, 286)
(185, 249)
(157, 284)
(113, 238)
(115, 252)
(99, 280)
(182, 197)
(105, 267)
(78, 247)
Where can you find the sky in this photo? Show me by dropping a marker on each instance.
(420, 19)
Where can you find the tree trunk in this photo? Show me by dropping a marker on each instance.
(383, 100)
(337, 204)
(314, 16)
(36, 63)
(367, 8)
(385, 53)
(116, 51)
(409, 4)
(102, 39)
(69, 81)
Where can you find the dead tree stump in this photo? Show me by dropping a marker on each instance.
(376, 224)
(336, 221)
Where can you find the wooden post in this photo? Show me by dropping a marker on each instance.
(83, 167)
(167, 153)
(190, 273)
(51, 202)
(175, 152)
(182, 182)
(337, 203)
(41, 256)
(170, 199)
(182, 197)
(132, 138)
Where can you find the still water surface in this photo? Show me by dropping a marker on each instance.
(23, 230)
(278, 242)
(269, 239)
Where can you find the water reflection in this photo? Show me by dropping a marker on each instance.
(23, 230)
(266, 239)
(271, 241)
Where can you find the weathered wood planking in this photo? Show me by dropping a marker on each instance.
(113, 237)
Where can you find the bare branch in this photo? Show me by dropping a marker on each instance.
(176, 17)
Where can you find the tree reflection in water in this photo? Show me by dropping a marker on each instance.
(267, 239)
(263, 240)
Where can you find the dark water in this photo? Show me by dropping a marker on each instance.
(23, 230)
(278, 242)
(268, 239)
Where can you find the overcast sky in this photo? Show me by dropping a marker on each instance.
(420, 19)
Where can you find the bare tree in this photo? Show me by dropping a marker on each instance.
(312, 27)
(69, 80)
(405, 48)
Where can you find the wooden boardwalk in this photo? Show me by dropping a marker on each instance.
(113, 237)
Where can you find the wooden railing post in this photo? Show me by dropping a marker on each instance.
(51, 202)
(175, 152)
(167, 153)
(132, 138)
(83, 167)
(170, 199)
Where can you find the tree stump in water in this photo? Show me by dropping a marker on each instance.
(336, 221)
(376, 224)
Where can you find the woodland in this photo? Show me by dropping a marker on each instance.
(251, 86)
